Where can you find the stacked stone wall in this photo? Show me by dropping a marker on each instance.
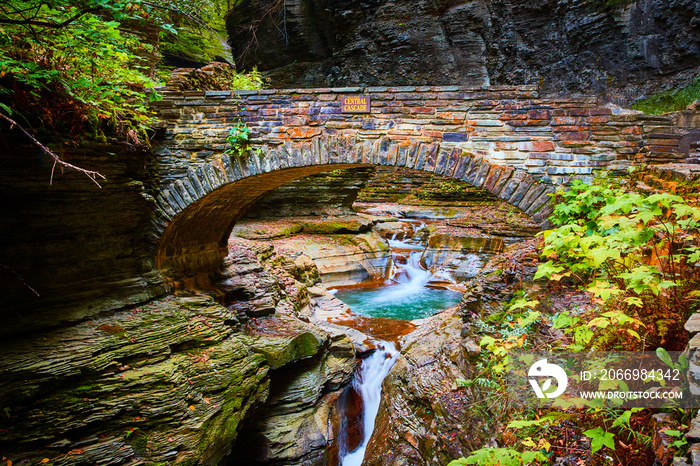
(552, 139)
(507, 140)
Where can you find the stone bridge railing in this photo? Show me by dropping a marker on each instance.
(506, 139)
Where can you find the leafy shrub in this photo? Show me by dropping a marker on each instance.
(72, 66)
(635, 252)
(238, 139)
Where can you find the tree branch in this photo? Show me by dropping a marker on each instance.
(19, 277)
(93, 175)
(175, 9)
(34, 22)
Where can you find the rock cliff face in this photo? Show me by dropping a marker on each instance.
(79, 247)
(175, 380)
(568, 46)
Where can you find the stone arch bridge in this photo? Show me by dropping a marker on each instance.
(507, 140)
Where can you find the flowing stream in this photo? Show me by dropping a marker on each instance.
(407, 295)
(368, 384)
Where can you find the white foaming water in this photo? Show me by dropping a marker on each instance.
(411, 278)
(397, 244)
(368, 384)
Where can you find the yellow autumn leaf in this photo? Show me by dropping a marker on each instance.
(528, 442)
(45, 460)
(191, 408)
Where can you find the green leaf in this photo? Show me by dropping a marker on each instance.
(547, 269)
(600, 438)
(6, 109)
(664, 199)
(564, 320)
(681, 210)
(624, 418)
(487, 341)
(530, 456)
(517, 424)
(664, 357)
(634, 301)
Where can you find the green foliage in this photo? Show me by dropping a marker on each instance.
(680, 441)
(72, 64)
(199, 30)
(600, 438)
(633, 251)
(500, 457)
(192, 45)
(636, 253)
(80, 68)
(238, 139)
(670, 101)
(224, 77)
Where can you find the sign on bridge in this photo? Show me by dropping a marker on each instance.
(355, 104)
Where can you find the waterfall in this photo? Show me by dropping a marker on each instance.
(368, 383)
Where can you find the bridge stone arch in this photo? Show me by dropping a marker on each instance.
(196, 213)
(508, 140)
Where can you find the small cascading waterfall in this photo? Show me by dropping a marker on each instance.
(406, 255)
(368, 383)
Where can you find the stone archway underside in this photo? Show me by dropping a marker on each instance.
(198, 212)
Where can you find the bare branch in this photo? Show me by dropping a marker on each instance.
(19, 277)
(34, 22)
(193, 17)
(93, 175)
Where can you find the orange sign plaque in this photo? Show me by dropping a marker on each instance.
(355, 104)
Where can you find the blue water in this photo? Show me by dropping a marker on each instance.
(398, 301)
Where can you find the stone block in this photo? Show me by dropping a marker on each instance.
(472, 170)
(511, 185)
(462, 165)
(217, 93)
(455, 137)
(532, 194)
(539, 114)
(346, 90)
(693, 324)
(569, 170)
(303, 132)
(506, 174)
(520, 192)
(482, 174)
(597, 120)
(564, 121)
(573, 136)
(536, 146)
(402, 89)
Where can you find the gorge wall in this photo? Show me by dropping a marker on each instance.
(568, 46)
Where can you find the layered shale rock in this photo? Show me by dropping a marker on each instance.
(71, 249)
(175, 380)
(626, 50)
(331, 193)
